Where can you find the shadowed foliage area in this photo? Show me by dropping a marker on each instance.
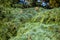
(15, 3)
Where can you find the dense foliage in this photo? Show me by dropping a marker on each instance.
(38, 31)
(18, 24)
